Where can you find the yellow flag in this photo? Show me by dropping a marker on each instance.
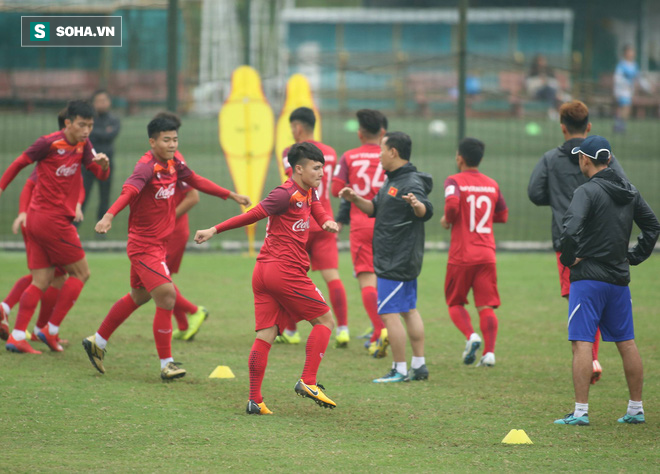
(246, 125)
(298, 94)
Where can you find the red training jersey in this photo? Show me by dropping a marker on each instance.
(289, 208)
(59, 178)
(361, 170)
(473, 201)
(330, 157)
(153, 210)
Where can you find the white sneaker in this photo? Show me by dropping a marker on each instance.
(471, 347)
(487, 360)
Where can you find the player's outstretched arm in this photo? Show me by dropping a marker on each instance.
(12, 171)
(128, 192)
(253, 215)
(362, 204)
(240, 198)
(202, 236)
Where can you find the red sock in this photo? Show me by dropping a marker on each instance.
(119, 313)
(338, 301)
(461, 319)
(16, 292)
(317, 343)
(488, 325)
(163, 332)
(181, 319)
(48, 301)
(66, 299)
(257, 364)
(182, 304)
(29, 300)
(370, 302)
(594, 348)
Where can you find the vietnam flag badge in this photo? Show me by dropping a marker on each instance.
(392, 191)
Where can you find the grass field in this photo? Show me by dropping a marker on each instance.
(59, 414)
(511, 154)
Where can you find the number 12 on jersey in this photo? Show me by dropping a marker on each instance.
(477, 202)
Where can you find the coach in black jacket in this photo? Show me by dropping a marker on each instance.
(401, 207)
(594, 242)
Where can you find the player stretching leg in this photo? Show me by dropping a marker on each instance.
(54, 241)
(360, 169)
(150, 191)
(473, 202)
(321, 245)
(282, 289)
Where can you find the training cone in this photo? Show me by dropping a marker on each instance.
(222, 372)
(517, 437)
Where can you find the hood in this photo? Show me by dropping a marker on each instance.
(620, 190)
(568, 146)
(427, 179)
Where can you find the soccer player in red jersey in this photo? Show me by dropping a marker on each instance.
(282, 289)
(150, 191)
(321, 245)
(361, 170)
(50, 295)
(54, 241)
(185, 199)
(473, 202)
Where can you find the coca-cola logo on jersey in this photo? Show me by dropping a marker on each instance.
(300, 225)
(166, 193)
(67, 170)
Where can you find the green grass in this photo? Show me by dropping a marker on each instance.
(510, 157)
(59, 414)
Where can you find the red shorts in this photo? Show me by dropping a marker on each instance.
(59, 271)
(564, 277)
(148, 267)
(175, 247)
(322, 250)
(53, 241)
(362, 250)
(283, 293)
(482, 278)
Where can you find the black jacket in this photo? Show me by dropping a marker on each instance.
(597, 228)
(106, 128)
(398, 233)
(555, 177)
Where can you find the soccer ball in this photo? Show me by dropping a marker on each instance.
(438, 128)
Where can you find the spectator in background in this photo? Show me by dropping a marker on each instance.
(625, 75)
(106, 129)
(541, 84)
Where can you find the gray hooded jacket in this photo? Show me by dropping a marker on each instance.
(554, 179)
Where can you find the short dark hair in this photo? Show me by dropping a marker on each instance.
(166, 114)
(79, 108)
(61, 116)
(574, 115)
(401, 142)
(382, 118)
(472, 151)
(304, 115)
(99, 92)
(161, 124)
(304, 151)
(371, 121)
